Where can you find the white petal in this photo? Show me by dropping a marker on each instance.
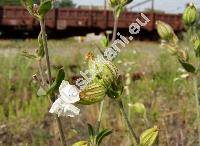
(56, 106)
(62, 109)
(71, 111)
(69, 93)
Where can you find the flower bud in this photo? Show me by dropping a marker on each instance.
(149, 136)
(197, 47)
(94, 92)
(165, 31)
(139, 108)
(113, 3)
(190, 15)
(80, 143)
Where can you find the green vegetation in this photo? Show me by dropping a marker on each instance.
(169, 102)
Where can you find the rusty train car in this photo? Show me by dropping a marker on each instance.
(15, 20)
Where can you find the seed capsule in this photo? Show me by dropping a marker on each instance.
(94, 92)
(149, 136)
(190, 15)
(165, 31)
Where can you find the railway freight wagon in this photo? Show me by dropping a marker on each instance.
(15, 20)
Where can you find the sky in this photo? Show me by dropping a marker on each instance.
(170, 6)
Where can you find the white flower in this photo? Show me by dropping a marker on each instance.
(63, 106)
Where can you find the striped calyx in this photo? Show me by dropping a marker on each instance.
(190, 15)
(109, 73)
(149, 136)
(93, 93)
(165, 31)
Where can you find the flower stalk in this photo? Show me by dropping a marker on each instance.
(98, 123)
(131, 130)
(44, 38)
(116, 19)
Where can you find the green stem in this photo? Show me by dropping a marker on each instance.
(115, 28)
(98, 124)
(131, 130)
(197, 97)
(44, 37)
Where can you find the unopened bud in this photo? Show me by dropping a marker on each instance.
(149, 136)
(93, 93)
(197, 47)
(165, 31)
(113, 3)
(190, 15)
(80, 143)
(139, 108)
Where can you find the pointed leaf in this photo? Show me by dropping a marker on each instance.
(104, 41)
(102, 135)
(45, 6)
(56, 84)
(40, 52)
(90, 130)
(28, 55)
(187, 66)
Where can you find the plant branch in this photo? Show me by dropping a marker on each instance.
(131, 130)
(116, 19)
(41, 72)
(44, 37)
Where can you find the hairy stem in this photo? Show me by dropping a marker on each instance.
(115, 28)
(41, 72)
(130, 128)
(98, 124)
(44, 37)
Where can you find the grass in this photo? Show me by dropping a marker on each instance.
(24, 117)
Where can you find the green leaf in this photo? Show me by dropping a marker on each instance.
(56, 84)
(40, 51)
(104, 41)
(187, 66)
(28, 3)
(90, 130)
(41, 92)
(45, 6)
(102, 135)
(28, 55)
